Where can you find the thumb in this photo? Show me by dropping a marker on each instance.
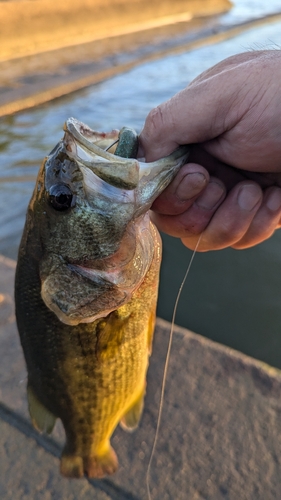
(196, 114)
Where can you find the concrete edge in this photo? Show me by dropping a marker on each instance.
(89, 21)
(223, 33)
(244, 359)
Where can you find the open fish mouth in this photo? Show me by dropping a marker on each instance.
(121, 180)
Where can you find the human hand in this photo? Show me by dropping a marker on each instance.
(230, 188)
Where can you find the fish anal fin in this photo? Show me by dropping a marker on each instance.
(42, 419)
(92, 466)
(130, 420)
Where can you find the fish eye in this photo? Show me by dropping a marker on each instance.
(60, 197)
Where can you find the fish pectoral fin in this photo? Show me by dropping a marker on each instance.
(42, 419)
(98, 465)
(130, 420)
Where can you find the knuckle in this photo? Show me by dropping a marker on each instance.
(190, 227)
(229, 234)
(154, 122)
(226, 235)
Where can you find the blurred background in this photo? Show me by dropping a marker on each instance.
(108, 64)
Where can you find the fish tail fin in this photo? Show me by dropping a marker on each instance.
(98, 465)
(101, 465)
(42, 419)
(130, 420)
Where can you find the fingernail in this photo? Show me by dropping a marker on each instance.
(190, 186)
(273, 201)
(211, 196)
(248, 196)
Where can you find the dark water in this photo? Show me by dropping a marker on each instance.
(233, 297)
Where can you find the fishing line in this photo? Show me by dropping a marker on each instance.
(113, 144)
(166, 369)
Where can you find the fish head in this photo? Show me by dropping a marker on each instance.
(90, 208)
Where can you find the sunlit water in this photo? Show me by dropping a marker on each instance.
(250, 9)
(230, 296)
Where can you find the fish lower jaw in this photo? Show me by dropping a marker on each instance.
(74, 318)
(74, 321)
(102, 314)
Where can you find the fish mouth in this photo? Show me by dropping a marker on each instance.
(91, 149)
(118, 180)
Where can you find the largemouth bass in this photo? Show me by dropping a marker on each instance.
(86, 290)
